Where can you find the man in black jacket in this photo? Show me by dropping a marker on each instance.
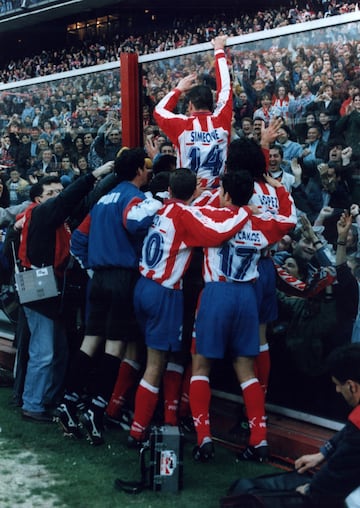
(46, 241)
(338, 479)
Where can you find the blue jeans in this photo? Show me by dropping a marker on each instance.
(48, 355)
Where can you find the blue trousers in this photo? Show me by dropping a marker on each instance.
(48, 355)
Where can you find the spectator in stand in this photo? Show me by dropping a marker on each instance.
(315, 151)
(291, 149)
(298, 106)
(281, 100)
(341, 84)
(58, 149)
(70, 58)
(275, 169)
(327, 128)
(241, 106)
(44, 162)
(108, 142)
(347, 106)
(267, 112)
(246, 130)
(24, 159)
(18, 188)
(88, 139)
(258, 126)
(67, 172)
(167, 148)
(348, 126)
(256, 90)
(78, 146)
(341, 156)
(7, 158)
(47, 132)
(81, 164)
(324, 102)
(307, 121)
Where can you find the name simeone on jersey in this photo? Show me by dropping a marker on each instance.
(204, 137)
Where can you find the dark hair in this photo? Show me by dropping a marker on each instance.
(303, 267)
(239, 185)
(165, 162)
(165, 143)
(338, 141)
(128, 163)
(159, 182)
(38, 188)
(316, 126)
(344, 363)
(182, 183)
(265, 95)
(296, 234)
(247, 119)
(201, 97)
(48, 180)
(274, 146)
(287, 129)
(35, 190)
(246, 154)
(5, 196)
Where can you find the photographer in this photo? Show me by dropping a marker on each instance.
(338, 479)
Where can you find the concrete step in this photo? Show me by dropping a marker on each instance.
(288, 438)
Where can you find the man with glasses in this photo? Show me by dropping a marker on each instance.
(45, 241)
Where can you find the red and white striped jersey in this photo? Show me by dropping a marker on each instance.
(236, 260)
(175, 229)
(201, 140)
(265, 197)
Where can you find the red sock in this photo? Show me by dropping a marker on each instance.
(184, 407)
(200, 396)
(172, 385)
(127, 377)
(254, 400)
(145, 403)
(262, 366)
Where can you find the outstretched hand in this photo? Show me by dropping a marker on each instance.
(272, 181)
(219, 42)
(343, 225)
(307, 229)
(187, 82)
(296, 169)
(269, 134)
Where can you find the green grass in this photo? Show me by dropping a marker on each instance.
(82, 476)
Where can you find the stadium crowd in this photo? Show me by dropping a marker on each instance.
(183, 32)
(300, 106)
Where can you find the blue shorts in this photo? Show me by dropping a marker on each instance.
(265, 288)
(227, 320)
(159, 312)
